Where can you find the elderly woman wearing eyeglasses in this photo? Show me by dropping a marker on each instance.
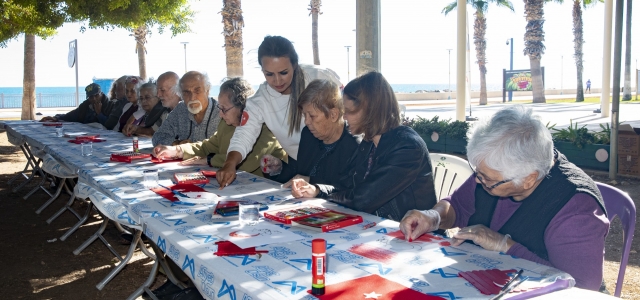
(154, 113)
(232, 101)
(524, 199)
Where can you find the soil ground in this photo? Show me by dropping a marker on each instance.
(35, 266)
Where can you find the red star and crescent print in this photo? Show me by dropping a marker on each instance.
(245, 118)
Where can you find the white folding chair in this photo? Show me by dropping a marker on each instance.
(449, 172)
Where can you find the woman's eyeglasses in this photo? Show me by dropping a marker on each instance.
(482, 179)
(224, 111)
(146, 99)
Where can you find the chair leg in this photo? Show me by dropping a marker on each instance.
(38, 187)
(67, 206)
(53, 198)
(91, 239)
(123, 263)
(80, 222)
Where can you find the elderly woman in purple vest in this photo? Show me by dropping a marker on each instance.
(523, 199)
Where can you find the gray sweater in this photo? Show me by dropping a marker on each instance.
(181, 125)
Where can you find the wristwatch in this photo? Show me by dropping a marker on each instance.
(209, 157)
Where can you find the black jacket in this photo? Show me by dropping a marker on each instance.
(84, 113)
(329, 169)
(400, 178)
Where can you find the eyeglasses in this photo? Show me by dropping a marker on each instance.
(482, 179)
(147, 98)
(224, 111)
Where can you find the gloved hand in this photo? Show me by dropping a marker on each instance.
(483, 237)
(271, 165)
(418, 222)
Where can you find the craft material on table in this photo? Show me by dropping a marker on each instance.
(327, 221)
(227, 248)
(486, 280)
(170, 192)
(290, 214)
(190, 178)
(128, 157)
(262, 233)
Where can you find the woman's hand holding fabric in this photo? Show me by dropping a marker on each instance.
(271, 165)
(418, 222)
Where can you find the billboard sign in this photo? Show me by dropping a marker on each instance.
(518, 80)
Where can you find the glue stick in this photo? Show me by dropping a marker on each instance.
(318, 252)
(135, 144)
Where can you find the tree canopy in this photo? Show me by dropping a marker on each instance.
(43, 17)
(36, 17)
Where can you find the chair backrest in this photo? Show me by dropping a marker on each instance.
(618, 203)
(449, 172)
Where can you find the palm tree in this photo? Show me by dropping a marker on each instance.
(29, 79)
(140, 35)
(578, 41)
(533, 45)
(479, 31)
(626, 95)
(314, 11)
(232, 31)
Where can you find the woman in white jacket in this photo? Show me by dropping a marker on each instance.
(274, 104)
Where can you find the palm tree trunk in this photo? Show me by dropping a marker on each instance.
(479, 31)
(536, 81)
(140, 35)
(626, 95)
(534, 47)
(29, 79)
(578, 41)
(232, 30)
(314, 7)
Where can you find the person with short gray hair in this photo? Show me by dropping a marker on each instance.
(524, 199)
(195, 118)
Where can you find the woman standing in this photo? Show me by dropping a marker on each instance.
(274, 104)
(390, 172)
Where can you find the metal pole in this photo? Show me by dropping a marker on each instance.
(185, 55)
(75, 42)
(615, 105)
(348, 69)
(511, 68)
(461, 52)
(561, 73)
(449, 73)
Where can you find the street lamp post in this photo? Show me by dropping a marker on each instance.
(449, 73)
(348, 69)
(510, 42)
(561, 73)
(185, 55)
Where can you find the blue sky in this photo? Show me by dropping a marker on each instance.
(415, 36)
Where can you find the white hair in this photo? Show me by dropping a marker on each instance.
(513, 142)
(203, 77)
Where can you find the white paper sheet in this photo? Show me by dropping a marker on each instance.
(262, 233)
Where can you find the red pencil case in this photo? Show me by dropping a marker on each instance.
(128, 156)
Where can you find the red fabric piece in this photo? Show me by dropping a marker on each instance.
(357, 288)
(485, 280)
(226, 248)
(167, 194)
(375, 253)
(155, 160)
(423, 238)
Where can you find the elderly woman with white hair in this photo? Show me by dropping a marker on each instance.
(524, 199)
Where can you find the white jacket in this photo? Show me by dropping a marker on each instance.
(272, 108)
